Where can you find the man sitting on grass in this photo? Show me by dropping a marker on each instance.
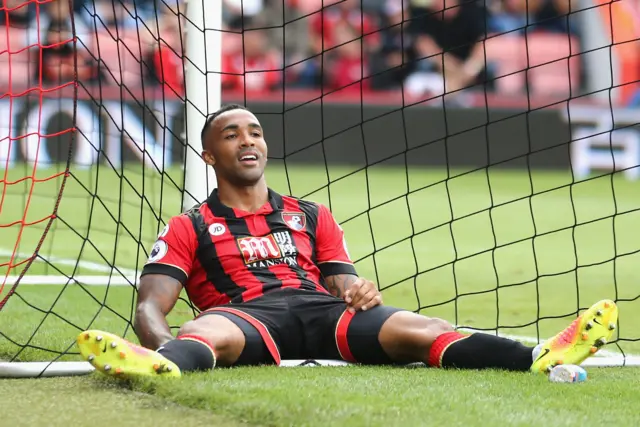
(273, 280)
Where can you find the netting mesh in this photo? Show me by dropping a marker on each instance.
(492, 186)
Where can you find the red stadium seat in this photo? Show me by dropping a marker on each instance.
(120, 57)
(507, 55)
(17, 65)
(551, 60)
(554, 64)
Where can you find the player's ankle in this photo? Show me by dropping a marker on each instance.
(536, 351)
(189, 353)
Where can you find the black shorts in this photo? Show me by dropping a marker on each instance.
(300, 324)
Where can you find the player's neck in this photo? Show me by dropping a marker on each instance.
(248, 199)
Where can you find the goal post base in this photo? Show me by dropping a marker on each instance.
(67, 369)
(44, 369)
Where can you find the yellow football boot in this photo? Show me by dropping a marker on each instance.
(583, 338)
(118, 357)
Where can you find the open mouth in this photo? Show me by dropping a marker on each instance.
(249, 158)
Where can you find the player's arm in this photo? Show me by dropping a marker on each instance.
(337, 269)
(162, 279)
(157, 295)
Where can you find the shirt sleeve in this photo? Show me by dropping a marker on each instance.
(331, 247)
(174, 251)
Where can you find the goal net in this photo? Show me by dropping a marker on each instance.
(482, 158)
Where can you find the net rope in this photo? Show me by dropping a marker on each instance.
(94, 166)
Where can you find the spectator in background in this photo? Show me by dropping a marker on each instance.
(348, 68)
(57, 13)
(166, 55)
(339, 39)
(58, 62)
(17, 13)
(448, 38)
(519, 16)
(123, 14)
(255, 67)
(289, 28)
(20, 37)
(326, 24)
(392, 65)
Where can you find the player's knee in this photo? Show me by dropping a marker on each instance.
(225, 337)
(406, 336)
(431, 329)
(440, 326)
(190, 328)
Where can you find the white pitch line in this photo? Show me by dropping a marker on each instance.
(89, 265)
(62, 280)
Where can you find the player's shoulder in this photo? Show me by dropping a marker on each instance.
(184, 219)
(308, 206)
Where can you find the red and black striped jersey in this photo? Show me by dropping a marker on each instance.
(221, 254)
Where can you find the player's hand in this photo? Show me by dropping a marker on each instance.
(362, 295)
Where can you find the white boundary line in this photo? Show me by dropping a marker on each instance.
(89, 265)
(115, 280)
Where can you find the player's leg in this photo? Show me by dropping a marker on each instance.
(388, 335)
(215, 339)
(407, 337)
(200, 345)
(222, 336)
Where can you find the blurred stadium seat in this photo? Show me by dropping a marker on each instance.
(507, 56)
(17, 60)
(121, 56)
(553, 63)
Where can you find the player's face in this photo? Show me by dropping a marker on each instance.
(236, 148)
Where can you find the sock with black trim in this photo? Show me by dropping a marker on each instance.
(479, 351)
(190, 353)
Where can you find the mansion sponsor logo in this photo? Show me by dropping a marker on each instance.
(272, 249)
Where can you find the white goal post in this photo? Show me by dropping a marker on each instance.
(203, 76)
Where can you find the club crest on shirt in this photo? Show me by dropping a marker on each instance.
(295, 220)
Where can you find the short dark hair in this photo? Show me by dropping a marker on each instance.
(214, 115)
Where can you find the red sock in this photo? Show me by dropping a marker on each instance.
(440, 345)
(479, 351)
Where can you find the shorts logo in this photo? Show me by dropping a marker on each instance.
(158, 251)
(216, 229)
(295, 220)
(259, 248)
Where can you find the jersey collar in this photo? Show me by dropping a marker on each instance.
(219, 209)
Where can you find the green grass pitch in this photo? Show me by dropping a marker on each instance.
(488, 249)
